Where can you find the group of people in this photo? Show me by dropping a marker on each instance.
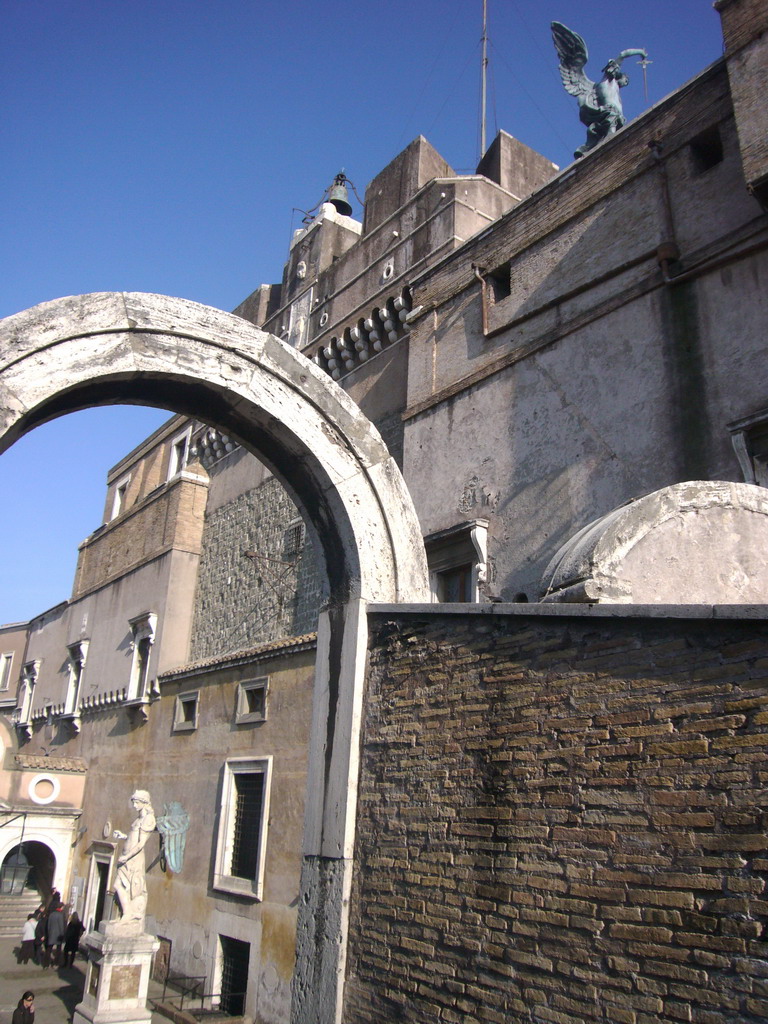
(50, 937)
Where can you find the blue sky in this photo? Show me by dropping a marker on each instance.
(161, 146)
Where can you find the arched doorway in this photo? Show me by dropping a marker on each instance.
(110, 348)
(31, 865)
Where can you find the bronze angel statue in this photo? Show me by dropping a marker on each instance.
(599, 103)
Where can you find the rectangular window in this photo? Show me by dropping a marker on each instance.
(251, 701)
(143, 637)
(458, 561)
(243, 819)
(455, 585)
(185, 712)
(293, 540)
(235, 956)
(179, 453)
(500, 282)
(77, 655)
(6, 663)
(706, 150)
(118, 501)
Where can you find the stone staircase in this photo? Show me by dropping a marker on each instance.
(14, 911)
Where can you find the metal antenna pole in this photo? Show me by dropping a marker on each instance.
(484, 78)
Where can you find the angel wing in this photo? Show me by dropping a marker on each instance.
(572, 51)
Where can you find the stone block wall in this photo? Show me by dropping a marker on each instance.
(251, 588)
(562, 819)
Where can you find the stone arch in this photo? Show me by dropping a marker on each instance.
(38, 858)
(110, 348)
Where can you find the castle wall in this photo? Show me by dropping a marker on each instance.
(255, 582)
(611, 368)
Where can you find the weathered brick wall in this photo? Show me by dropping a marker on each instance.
(241, 600)
(562, 819)
(171, 518)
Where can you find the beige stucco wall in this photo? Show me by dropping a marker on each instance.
(124, 753)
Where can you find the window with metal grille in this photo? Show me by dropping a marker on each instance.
(235, 955)
(241, 846)
(249, 798)
(293, 540)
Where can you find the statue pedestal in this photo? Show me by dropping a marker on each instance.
(119, 963)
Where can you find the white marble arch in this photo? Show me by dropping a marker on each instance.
(107, 348)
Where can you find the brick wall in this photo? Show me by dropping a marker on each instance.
(171, 517)
(562, 819)
(244, 599)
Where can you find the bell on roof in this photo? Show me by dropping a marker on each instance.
(338, 195)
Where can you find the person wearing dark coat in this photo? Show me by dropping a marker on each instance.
(55, 927)
(72, 937)
(40, 937)
(25, 1010)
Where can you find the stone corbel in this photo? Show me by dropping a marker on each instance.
(74, 721)
(138, 709)
(24, 729)
(478, 534)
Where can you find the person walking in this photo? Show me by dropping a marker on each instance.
(72, 935)
(25, 1010)
(55, 927)
(27, 951)
(41, 917)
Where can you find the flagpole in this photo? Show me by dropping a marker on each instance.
(484, 77)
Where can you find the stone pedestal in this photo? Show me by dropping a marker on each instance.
(117, 981)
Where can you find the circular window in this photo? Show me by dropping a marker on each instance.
(43, 789)
(388, 271)
(323, 319)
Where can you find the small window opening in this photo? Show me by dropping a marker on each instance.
(6, 661)
(118, 503)
(500, 282)
(706, 150)
(142, 664)
(185, 716)
(293, 540)
(179, 455)
(455, 584)
(252, 701)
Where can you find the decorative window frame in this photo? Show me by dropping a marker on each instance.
(118, 497)
(22, 717)
(243, 714)
(463, 544)
(179, 450)
(77, 656)
(251, 888)
(180, 721)
(6, 668)
(143, 630)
